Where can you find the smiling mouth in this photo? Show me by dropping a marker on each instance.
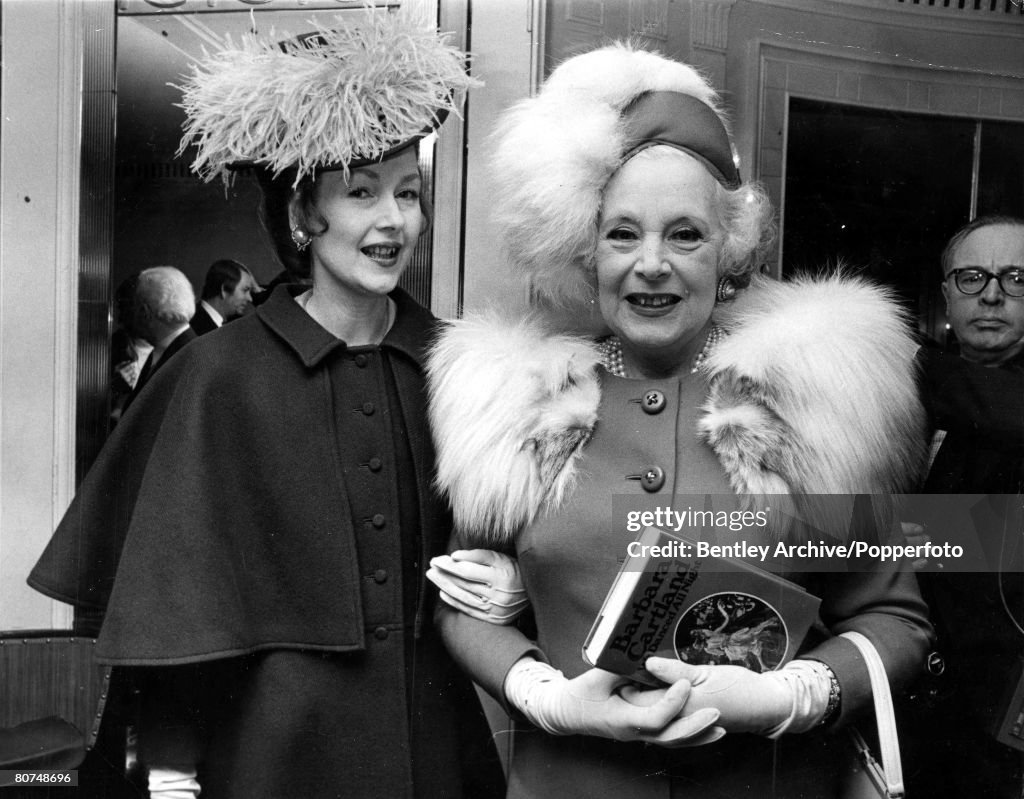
(653, 301)
(382, 253)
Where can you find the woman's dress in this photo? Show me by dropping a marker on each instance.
(255, 533)
(569, 556)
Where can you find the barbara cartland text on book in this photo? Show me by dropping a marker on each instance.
(670, 601)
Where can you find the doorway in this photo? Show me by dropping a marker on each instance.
(880, 192)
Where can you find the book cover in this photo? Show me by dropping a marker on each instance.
(703, 610)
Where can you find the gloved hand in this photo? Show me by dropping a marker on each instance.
(481, 583)
(792, 699)
(605, 704)
(173, 782)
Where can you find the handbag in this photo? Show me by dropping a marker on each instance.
(866, 777)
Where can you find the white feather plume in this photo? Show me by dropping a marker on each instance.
(350, 91)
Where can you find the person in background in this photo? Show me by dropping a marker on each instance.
(976, 405)
(128, 349)
(162, 309)
(619, 201)
(983, 283)
(261, 563)
(227, 294)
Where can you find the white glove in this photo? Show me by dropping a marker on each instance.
(173, 782)
(481, 583)
(792, 699)
(605, 704)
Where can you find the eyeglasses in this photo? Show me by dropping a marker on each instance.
(971, 280)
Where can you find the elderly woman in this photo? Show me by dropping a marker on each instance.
(257, 528)
(618, 191)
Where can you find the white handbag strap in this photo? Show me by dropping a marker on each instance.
(885, 716)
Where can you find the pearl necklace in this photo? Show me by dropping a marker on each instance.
(611, 352)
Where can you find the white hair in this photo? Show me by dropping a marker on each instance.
(165, 294)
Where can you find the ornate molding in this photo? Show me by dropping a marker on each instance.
(585, 12)
(709, 24)
(917, 15)
(139, 7)
(649, 19)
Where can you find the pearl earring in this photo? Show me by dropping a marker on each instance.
(726, 290)
(300, 238)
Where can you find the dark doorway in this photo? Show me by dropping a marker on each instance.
(881, 192)
(877, 191)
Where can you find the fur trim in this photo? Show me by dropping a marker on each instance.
(511, 404)
(812, 393)
(349, 92)
(555, 152)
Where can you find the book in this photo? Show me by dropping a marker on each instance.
(700, 609)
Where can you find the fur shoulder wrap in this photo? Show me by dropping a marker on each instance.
(813, 392)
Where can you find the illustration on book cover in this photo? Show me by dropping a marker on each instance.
(732, 628)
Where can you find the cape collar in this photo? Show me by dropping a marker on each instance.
(311, 343)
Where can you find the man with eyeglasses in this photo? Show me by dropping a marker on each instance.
(976, 404)
(978, 413)
(983, 268)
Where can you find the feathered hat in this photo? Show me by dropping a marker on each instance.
(340, 97)
(554, 154)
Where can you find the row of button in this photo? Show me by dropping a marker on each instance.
(653, 477)
(378, 520)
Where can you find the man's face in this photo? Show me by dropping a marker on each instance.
(239, 301)
(989, 325)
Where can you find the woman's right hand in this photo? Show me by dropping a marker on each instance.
(604, 704)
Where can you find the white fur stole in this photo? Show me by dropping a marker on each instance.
(511, 403)
(813, 392)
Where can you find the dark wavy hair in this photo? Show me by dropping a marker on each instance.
(222, 274)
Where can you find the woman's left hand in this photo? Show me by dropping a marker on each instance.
(746, 701)
(481, 583)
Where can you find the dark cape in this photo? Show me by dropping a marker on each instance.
(263, 549)
(149, 369)
(216, 534)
